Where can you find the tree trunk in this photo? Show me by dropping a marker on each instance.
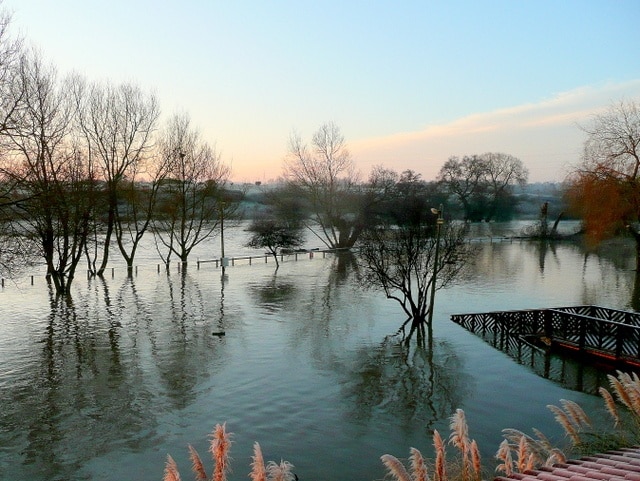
(636, 236)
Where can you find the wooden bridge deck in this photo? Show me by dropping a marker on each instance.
(606, 333)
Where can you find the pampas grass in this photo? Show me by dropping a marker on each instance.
(418, 466)
(258, 471)
(196, 465)
(627, 389)
(563, 419)
(441, 457)
(518, 452)
(171, 470)
(532, 453)
(280, 472)
(504, 455)
(470, 468)
(219, 447)
(610, 404)
(395, 468)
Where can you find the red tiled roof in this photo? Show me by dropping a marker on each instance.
(620, 465)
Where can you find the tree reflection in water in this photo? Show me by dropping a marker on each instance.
(92, 389)
(414, 385)
(85, 400)
(185, 350)
(119, 374)
(275, 295)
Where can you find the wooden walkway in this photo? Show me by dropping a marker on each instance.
(609, 334)
(620, 465)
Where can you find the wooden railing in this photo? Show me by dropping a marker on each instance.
(596, 330)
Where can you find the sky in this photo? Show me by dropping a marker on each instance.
(409, 83)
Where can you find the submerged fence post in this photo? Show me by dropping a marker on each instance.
(548, 324)
(620, 337)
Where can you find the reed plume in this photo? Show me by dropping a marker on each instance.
(258, 471)
(418, 466)
(563, 419)
(459, 438)
(280, 472)
(576, 413)
(476, 461)
(610, 404)
(621, 392)
(459, 431)
(220, 445)
(441, 457)
(196, 465)
(628, 390)
(395, 468)
(538, 451)
(504, 455)
(543, 441)
(556, 456)
(171, 470)
(523, 455)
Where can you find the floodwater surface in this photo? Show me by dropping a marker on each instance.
(134, 368)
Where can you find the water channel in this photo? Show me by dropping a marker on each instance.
(104, 388)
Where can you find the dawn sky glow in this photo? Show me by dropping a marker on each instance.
(409, 83)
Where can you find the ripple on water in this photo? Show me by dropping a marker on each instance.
(132, 371)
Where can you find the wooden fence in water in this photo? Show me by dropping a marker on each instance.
(606, 333)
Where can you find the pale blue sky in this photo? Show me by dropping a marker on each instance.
(410, 83)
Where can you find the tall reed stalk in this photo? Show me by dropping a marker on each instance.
(518, 452)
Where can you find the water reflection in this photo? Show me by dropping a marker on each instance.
(184, 352)
(276, 294)
(110, 364)
(131, 365)
(544, 248)
(562, 369)
(417, 385)
(345, 264)
(80, 388)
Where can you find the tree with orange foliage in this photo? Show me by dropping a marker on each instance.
(605, 188)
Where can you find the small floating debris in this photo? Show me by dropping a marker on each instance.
(219, 333)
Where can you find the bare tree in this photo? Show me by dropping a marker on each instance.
(138, 195)
(503, 171)
(11, 93)
(325, 176)
(604, 190)
(483, 183)
(53, 183)
(410, 252)
(117, 123)
(464, 179)
(274, 234)
(409, 262)
(13, 251)
(192, 199)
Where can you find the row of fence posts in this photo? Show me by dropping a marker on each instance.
(224, 262)
(2, 281)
